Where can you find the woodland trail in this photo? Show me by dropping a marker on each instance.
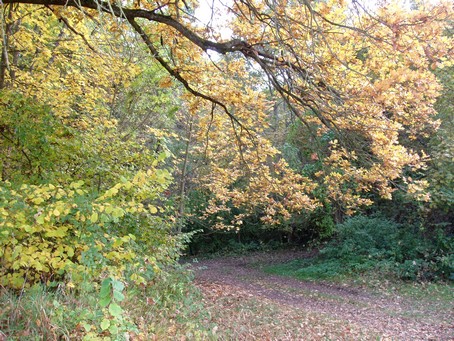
(252, 305)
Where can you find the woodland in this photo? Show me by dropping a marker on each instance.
(137, 136)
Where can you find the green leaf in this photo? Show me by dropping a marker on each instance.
(115, 310)
(118, 285)
(105, 288)
(118, 296)
(105, 324)
(113, 329)
(86, 326)
(104, 301)
(104, 218)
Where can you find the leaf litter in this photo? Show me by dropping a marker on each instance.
(247, 304)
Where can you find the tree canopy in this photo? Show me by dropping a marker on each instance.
(358, 78)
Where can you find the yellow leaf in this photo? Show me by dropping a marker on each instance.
(38, 200)
(118, 212)
(69, 251)
(40, 219)
(94, 217)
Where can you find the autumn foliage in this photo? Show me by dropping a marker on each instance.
(78, 148)
(127, 127)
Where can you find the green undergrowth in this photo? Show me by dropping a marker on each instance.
(308, 269)
(169, 307)
(377, 247)
(235, 248)
(316, 270)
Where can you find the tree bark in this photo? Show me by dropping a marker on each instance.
(182, 190)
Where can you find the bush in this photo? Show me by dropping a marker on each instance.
(402, 250)
(364, 238)
(365, 243)
(106, 261)
(49, 232)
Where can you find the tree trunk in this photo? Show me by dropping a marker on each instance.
(182, 190)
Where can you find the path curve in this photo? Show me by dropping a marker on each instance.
(392, 317)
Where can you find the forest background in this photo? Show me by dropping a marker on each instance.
(131, 133)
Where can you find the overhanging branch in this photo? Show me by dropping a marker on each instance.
(269, 62)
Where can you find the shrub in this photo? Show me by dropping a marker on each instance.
(414, 255)
(49, 231)
(362, 238)
(364, 243)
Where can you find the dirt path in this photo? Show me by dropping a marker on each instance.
(357, 313)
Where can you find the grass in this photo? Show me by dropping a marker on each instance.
(317, 269)
(435, 296)
(308, 269)
(168, 309)
(40, 314)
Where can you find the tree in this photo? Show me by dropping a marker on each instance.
(361, 75)
(441, 170)
(78, 180)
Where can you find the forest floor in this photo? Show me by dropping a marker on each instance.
(245, 303)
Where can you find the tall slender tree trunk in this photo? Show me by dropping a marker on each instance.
(7, 30)
(182, 189)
